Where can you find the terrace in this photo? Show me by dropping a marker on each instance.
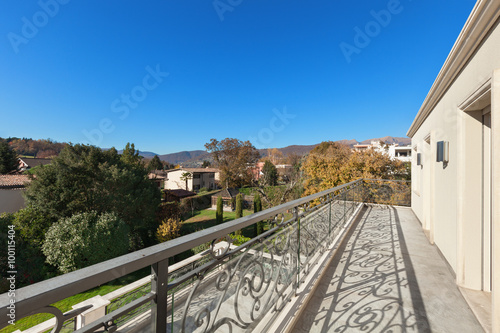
(351, 258)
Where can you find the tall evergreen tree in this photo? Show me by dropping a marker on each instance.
(239, 209)
(219, 217)
(8, 158)
(257, 207)
(270, 177)
(155, 164)
(130, 155)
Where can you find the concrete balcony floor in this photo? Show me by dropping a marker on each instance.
(387, 277)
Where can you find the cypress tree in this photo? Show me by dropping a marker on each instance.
(257, 207)
(239, 209)
(219, 218)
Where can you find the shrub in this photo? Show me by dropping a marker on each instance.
(168, 229)
(85, 239)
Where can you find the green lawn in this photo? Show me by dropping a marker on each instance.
(65, 304)
(202, 219)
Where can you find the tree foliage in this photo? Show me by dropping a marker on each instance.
(233, 158)
(32, 224)
(8, 157)
(219, 213)
(85, 178)
(257, 207)
(331, 164)
(155, 164)
(186, 176)
(239, 206)
(85, 239)
(168, 229)
(130, 155)
(270, 174)
(43, 148)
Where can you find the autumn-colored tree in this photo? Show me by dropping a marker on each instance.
(274, 156)
(233, 158)
(168, 229)
(323, 166)
(331, 164)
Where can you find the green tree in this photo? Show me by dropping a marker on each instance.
(186, 176)
(257, 207)
(85, 239)
(85, 178)
(8, 158)
(205, 164)
(32, 224)
(219, 213)
(233, 157)
(270, 174)
(239, 209)
(155, 164)
(130, 155)
(239, 206)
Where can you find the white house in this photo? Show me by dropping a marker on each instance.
(402, 153)
(456, 162)
(192, 179)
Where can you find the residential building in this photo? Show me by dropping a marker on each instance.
(158, 177)
(28, 163)
(229, 199)
(455, 166)
(192, 179)
(11, 192)
(402, 153)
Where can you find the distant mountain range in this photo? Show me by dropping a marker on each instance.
(196, 157)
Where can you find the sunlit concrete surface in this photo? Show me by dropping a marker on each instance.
(387, 277)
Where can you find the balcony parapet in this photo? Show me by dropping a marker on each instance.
(237, 287)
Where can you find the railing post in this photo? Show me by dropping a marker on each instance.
(330, 216)
(296, 217)
(159, 286)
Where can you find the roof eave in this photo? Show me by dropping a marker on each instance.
(481, 20)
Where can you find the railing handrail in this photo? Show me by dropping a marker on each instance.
(52, 290)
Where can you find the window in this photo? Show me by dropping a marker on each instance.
(196, 176)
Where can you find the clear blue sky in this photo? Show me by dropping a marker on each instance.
(276, 72)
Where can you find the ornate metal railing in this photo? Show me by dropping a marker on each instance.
(235, 288)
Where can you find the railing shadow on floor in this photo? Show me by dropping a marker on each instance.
(370, 284)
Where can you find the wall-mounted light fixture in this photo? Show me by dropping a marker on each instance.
(443, 151)
(419, 159)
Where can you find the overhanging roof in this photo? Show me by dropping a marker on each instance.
(478, 25)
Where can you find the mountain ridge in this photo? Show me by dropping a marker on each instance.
(196, 157)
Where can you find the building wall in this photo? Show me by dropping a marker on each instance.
(445, 197)
(174, 182)
(11, 200)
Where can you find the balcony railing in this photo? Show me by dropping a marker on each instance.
(233, 288)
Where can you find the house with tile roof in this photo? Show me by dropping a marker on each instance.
(11, 192)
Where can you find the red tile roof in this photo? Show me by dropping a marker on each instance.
(13, 181)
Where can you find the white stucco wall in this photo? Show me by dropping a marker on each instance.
(437, 197)
(11, 200)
